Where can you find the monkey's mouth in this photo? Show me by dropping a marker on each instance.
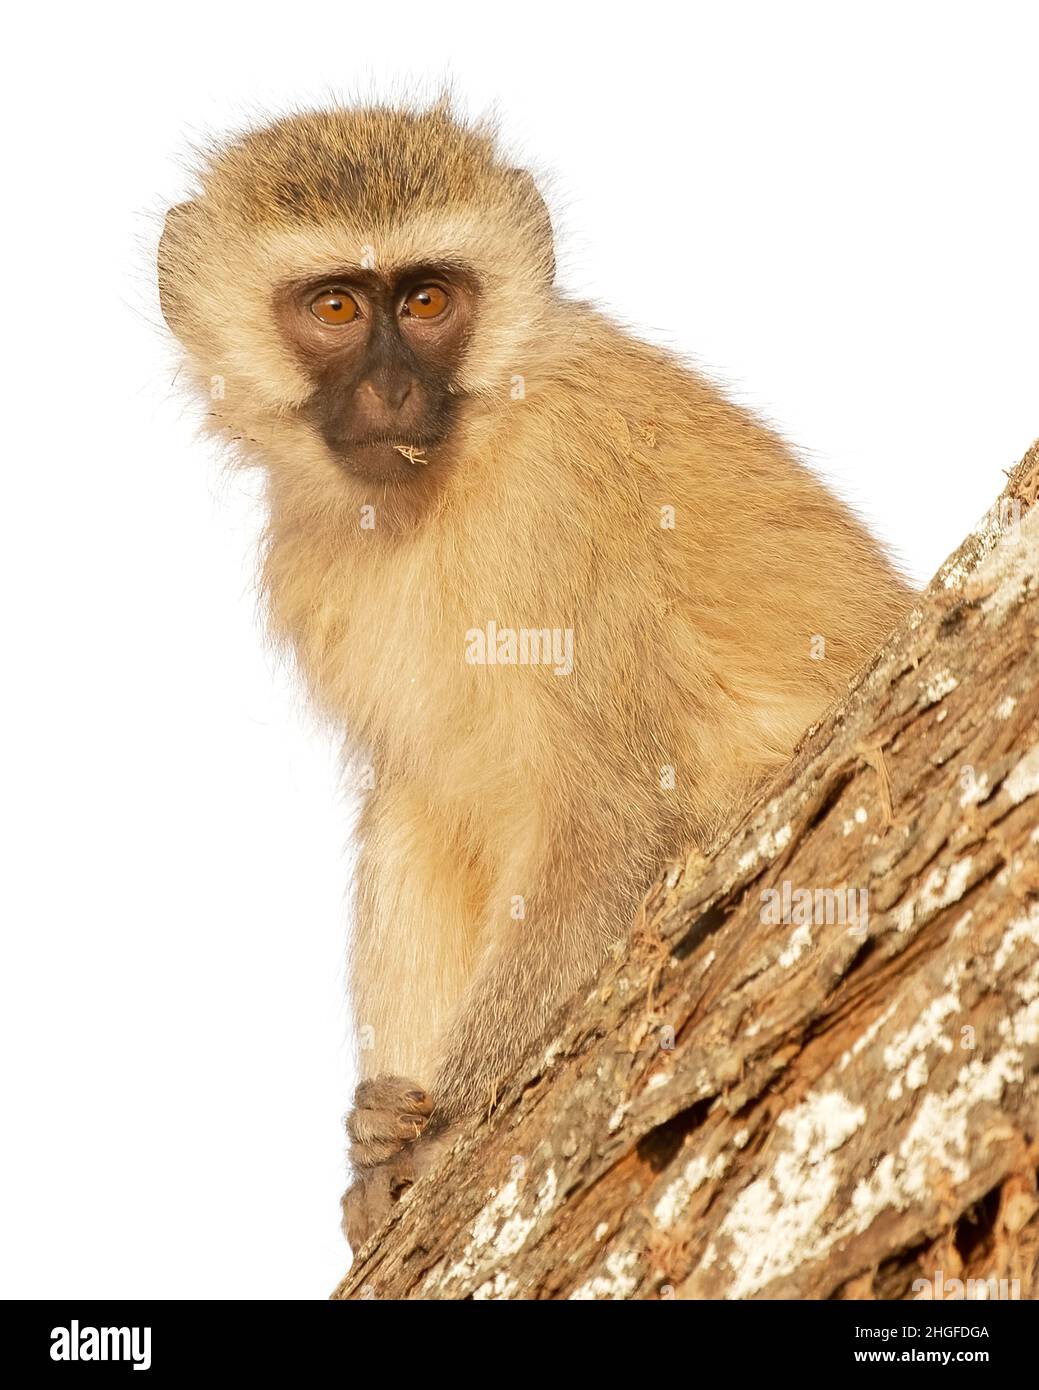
(386, 457)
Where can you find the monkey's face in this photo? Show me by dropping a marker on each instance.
(383, 353)
(352, 288)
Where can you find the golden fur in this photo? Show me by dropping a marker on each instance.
(507, 789)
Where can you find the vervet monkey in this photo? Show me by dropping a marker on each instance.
(569, 604)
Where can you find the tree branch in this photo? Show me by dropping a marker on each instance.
(777, 1091)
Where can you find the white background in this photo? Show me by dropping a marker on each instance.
(834, 207)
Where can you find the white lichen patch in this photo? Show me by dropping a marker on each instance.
(1021, 929)
(906, 1053)
(747, 860)
(617, 1282)
(675, 1197)
(977, 790)
(501, 1286)
(1022, 1028)
(985, 534)
(775, 1218)
(997, 536)
(955, 576)
(963, 925)
(617, 1118)
(784, 1220)
(942, 887)
(499, 1231)
(937, 1137)
(860, 817)
(1009, 570)
(942, 683)
(939, 1134)
(1006, 707)
(510, 1235)
(800, 940)
(769, 845)
(916, 1075)
(1023, 781)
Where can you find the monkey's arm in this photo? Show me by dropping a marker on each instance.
(412, 946)
(410, 956)
(577, 896)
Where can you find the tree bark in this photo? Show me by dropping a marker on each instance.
(778, 1092)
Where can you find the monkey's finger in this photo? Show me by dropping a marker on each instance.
(381, 1133)
(397, 1093)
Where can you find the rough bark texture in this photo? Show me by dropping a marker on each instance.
(759, 1099)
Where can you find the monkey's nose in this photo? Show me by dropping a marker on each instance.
(389, 395)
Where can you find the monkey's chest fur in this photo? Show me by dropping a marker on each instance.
(446, 671)
(514, 670)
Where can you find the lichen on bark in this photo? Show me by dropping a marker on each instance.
(774, 1095)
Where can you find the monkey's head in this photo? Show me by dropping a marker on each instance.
(349, 282)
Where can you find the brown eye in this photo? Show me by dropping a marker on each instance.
(427, 302)
(334, 307)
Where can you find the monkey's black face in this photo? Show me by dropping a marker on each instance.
(383, 355)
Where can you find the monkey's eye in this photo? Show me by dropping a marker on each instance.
(427, 302)
(334, 307)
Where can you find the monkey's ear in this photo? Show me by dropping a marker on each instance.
(172, 245)
(527, 190)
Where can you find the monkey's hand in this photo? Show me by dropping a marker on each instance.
(389, 1115)
(389, 1112)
